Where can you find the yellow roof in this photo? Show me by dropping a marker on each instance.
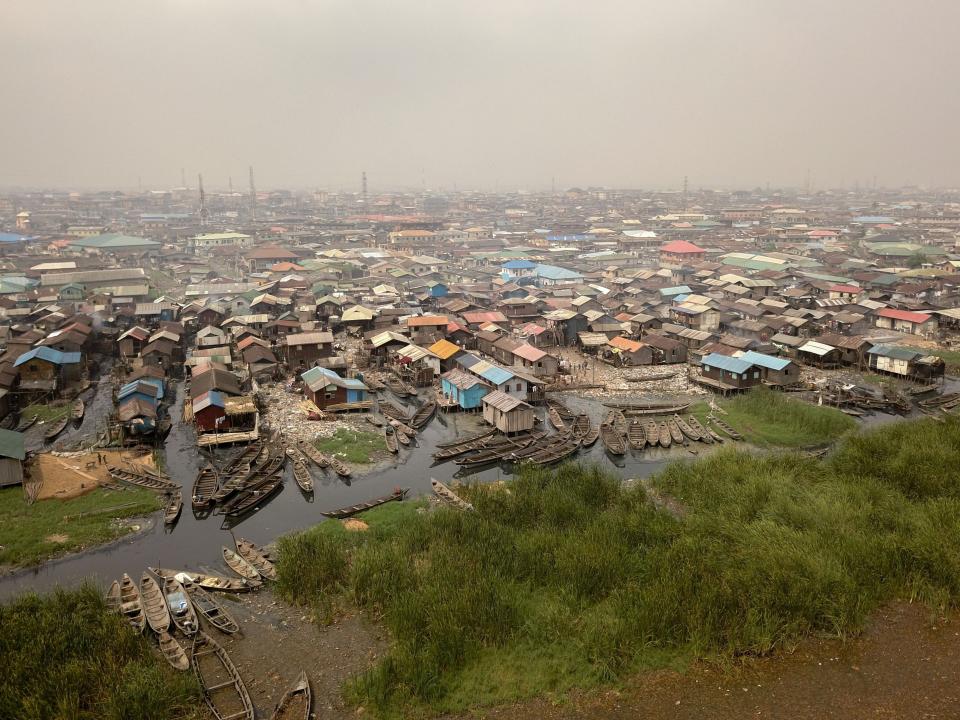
(444, 349)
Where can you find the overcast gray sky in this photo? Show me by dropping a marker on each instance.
(479, 94)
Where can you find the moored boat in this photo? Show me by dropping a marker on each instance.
(76, 412)
(55, 429)
(180, 607)
(422, 416)
(554, 417)
(733, 434)
(314, 455)
(700, 429)
(204, 486)
(675, 434)
(652, 431)
(174, 505)
(345, 512)
(339, 467)
(223, 688)
(685, 428)
(581, 425)
(390, 438)
(173, 651)
(130, 603)
(250, 499)
(256, 556)
(665, 438)
(296, 701)
(240, 566)
(612, 440)
(26, 423)
(302, 475)
(208, 606)
(591, 437)
(210, 582)
(620, 422)
(446, 494)
(636, 435)
(154, 604)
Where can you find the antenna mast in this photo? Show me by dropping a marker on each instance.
(203, 201)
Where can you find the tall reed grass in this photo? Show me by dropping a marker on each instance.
(564, 577)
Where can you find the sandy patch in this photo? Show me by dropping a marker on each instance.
(355, 525)
(72, 475)
(56, 538)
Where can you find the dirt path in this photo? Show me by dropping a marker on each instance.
(74, 474)
(902, 667)
(277, 641)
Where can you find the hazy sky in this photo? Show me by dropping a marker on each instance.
(99, 93)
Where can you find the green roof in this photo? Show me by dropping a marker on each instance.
(903, 249)
(113, 241)
(11, 445)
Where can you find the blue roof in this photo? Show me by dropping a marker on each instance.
(496, 375)
(131, 387)
(12, 237)
(353, 384)
(877, 219)
(677, 290)
(50, 355)
(552, 272)
(518, 265)
(467, 360)
(725, 362)
(211, 397)
(767, 361)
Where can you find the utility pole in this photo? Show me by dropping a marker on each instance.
(253, 197)
(363, 185)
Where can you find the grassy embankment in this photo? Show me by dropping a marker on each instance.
(769, 418)
(950, 357)
(354, 446)
(45, 413)
(565, 578)
(30, 534)
(65, 656)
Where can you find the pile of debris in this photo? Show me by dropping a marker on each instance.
(289, 413)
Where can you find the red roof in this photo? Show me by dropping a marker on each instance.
(681, 247)
(845, 289)
(475, 318)
(427, 321)
(529, 352)
(904, 315)
(270, 252)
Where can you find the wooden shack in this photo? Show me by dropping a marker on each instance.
(507, 413)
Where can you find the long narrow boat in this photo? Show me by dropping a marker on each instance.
(685, 428)
(447, 495)
(698, 428)
(651, 412)
(223, 688)
(403, 428)
(492, 454)
(256, 556)
(210, 582)
(204, 486)
(397, 386)
(174, 505)
(636, 436)
(675, 432)
(469, 438)
(240, 566)
(302, 475)
(734, 435)
(154, 604)
(562, 410)
(556, 453)
(113, 597)
(398, 434)
(532, 449)
(392, 411)
(77, 411)
(150, 482)
(249, 499)
(345, 512)
(208, 607)
(173, 651)
(554, 417)
(665, 438)
(339, 467)
(713, 433)
(452, 451)
(652, 431)
(591, 437)
(180, 607)
(26, 423)
(55, 429)
(296, 701)
(373, 420)
(658, 407)
(390, 438)
(612, 440)
(581, 425)
(127, 599)
(422, 416)
(314, 455)
(620, 422)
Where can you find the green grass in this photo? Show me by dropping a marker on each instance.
(770, 418)
(45, 413)
(25, 529)
(65, 656)
(564, 578)
(951, 358)
(354, 446)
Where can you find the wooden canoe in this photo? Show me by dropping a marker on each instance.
(296, 701)
(180, 607)
(652, 433)
(392, 411)
(665, 438)
(390, 437)
(398, 387)
(685, 428)
(173, 651)
(449, 496)
(652, 412)
(154, 604)
(373, 420)
(55, 429)
(240, 566)
(400, 436)
(698, 428)
(255, 555)
(422, 416)
(620, 422)
(734, 435)
(26, 423)
(210, 582)
(76, 412)
(223, 688)
(581, 426)
(130, 603)
(142, 479)
(209, 608)
(113, 597)
(555, 453)
(716, 438)
(562, 410)
(556, 420)
(637, 436)
(612, 440)
(468, 439)
(345, 512)
(174, 505)
(675, 432)
(591, 437)
(250, 499)
(314, 455)
(204, 487)
(340, 467)
(302, 475)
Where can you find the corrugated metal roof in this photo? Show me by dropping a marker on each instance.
(767, 361)
(724, 362)
(501, 401)
(816, 348)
